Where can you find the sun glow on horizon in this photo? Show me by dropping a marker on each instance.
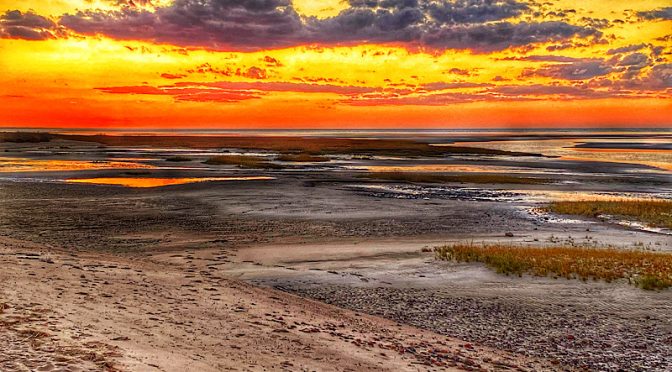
(75, 79)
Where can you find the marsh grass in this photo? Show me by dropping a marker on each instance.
(653, 212)
(313, 146)
(242, 161)
(25, 137)
(302, 158)
(466, 178)
(647, 270)
(178, 159)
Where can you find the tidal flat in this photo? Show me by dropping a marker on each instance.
(318, 252)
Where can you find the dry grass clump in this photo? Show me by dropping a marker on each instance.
(314, 146)
(25, 137)
(654, 212)
(467, 178)
(242, 161)
(647, 270)
(302, 158)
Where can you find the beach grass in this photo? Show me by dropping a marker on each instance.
(653, 212)
(465, 178)
(302, 158)
(242, 161)
(645, 269)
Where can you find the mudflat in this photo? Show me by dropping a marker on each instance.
(311, 265)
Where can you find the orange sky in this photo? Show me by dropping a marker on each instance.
(123, 64)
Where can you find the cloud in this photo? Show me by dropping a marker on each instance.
(261, 24)
(459, 71)
(442, 99)
(439, 85)
(271, 62)
(187, 93)
(231, 92)
(549, 90)
(29, 26)
(658, 78)
(253, 72)
(543, 58)
(576, 70)
(662, 13)
(634, 61)
(245, 24)
(502, 35)
(627, 49)
(474, 11)
(172, 76)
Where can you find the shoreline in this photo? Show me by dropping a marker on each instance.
(121, 314)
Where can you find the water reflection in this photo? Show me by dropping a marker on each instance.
(565, 149)
(35, 165)
(429, 168)
(159, 182)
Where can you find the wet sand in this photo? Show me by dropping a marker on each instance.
(205, 275)
(64, 311)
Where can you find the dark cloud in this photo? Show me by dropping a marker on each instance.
(543, 58)
(634, 61)
(383, 99)
(549, 90)
(258, 24)
(29, 26)
(658, 78)
(502, 35)
(662, 13)
(245, 24)
(474, 11)
(627, 49)
(595, 22)
(621, 73)
(577, 70)
(132, 3)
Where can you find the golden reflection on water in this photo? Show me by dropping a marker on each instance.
(656, 164)
(135, 159)
(565, 150)
(40, 165)
(159, 182)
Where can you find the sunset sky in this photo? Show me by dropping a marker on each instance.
(335, 63)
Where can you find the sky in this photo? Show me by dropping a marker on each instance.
(335, 63)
